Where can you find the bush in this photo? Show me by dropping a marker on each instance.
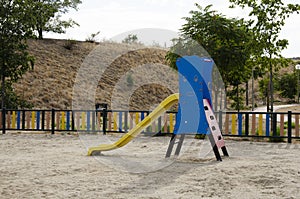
(69, 44)
(93, 37)
(12, 100)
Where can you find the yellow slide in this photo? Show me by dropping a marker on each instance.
(158, 111)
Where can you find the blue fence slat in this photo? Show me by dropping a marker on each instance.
(240, 124)
(267, 124)
(18, 119)
(142, 116)
(68, 120)
(38, 120)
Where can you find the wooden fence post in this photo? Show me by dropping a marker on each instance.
(289, 126)
(52, 121)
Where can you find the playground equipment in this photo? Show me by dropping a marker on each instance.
(195, 114)
(157, 112)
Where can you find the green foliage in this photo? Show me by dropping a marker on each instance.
(15, 21)
(287, 85)
(93, 37)
(13, 101)
(48, 15)
(268, 18)
(263, 85)
(130, 39)
(237, 96)
(286, 125)
(227, 40)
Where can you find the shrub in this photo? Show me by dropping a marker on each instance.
(69, 44)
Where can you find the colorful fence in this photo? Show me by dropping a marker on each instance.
(83, 121)
(262, 124)
(242, 124)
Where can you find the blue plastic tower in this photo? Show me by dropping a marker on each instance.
(195, 114)
(195, 75)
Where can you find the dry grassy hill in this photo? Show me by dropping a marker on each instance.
(71, 72)
(59, 62)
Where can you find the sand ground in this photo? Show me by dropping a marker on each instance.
(56, 166)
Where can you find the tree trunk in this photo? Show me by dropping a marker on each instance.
(2, 89)
(40, 33)
(271, 85)
(247, 94)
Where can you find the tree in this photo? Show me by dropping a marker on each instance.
(226, 40)
(15, 22)
(130, 39)
(269, 18)
(286, 85)
(48, 15)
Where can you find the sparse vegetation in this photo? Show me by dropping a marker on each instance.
(130, 39)
(70, 44)
(93, 37)
(50, 84)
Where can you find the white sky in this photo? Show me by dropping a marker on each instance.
(113, 17)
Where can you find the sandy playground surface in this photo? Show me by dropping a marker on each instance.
(56, 166)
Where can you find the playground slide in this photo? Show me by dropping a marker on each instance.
(155, 114)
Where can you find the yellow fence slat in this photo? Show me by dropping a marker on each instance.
(233, 124)
(171, 123)
(13, 122)
(63, 120)
(136, 118)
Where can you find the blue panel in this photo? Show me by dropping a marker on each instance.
(195, 75)
(68, 120)
(18, 120)
(142, 116)
(267, 124)
(240, 124)
(38, 120)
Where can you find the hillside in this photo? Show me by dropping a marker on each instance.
(52, 83)
(71, 74)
